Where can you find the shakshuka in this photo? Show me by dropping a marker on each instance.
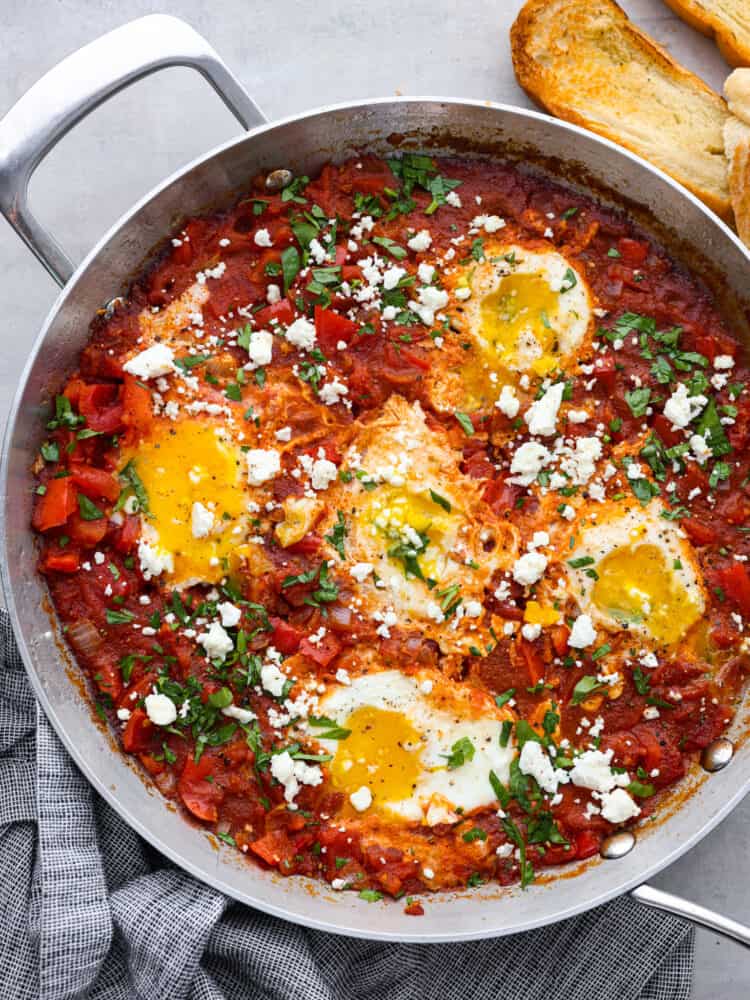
(399, 520)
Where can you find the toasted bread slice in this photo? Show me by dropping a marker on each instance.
(726, 21)
(584, 61)
(737, 148)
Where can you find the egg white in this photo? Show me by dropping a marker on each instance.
(634, 558)
(437, 721)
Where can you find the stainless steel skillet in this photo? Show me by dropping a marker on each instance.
(303, 144)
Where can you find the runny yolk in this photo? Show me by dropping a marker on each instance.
(413, 527)
(518, 322)
(179, 465)
(636, 585)
(382, 752)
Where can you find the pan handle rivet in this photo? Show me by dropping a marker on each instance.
(717, 755)
(279, 179)
(617, 845)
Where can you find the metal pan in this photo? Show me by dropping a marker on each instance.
(303, 144)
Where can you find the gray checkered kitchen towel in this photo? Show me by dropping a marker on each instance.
(90, 911)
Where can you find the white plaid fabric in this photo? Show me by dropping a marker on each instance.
(91, 911)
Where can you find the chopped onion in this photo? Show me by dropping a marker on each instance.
(85, 638)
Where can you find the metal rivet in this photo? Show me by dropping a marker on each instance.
(109, 307)
(279, 179)
(717, 754)
(617, 845)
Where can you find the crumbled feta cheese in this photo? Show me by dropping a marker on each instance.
(541, 416)
(392, 276)
(322, 474)
(262, 465)
(202, 520)
(535, 762)
(723, 362)
(453, 199)
(420, 241)
(301, 333)
(618, 807)
(583, 633)
(243, 715)
(508, 403)
(263, 238)
(592, 769)
(681, 408)
(425, 273)
(333, 392)
(155, 361)
(272, 679)
(230, 614)
(527, 462)
(283, 434)
(160, 709)
(361, 799)
(273, 294)
(361, 570)
(529, 568)
(216, 642)
(153, 561)
(260, 348)
(531, 632)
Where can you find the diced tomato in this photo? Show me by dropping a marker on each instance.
(61, 560)
(699, 532)
(735, 581)
(137, 407)
(55, 507)
(710, 347)
(331, 327)
(306, 546)
(341, 254)
(416, 358)
(285, 637)
(87, 533)
(587, 844)
(127, 536)
(724, 636)
(273, 848)
(560, 635)
(414, 909)
(632, 252)
(604, 370)
(95, 483)
(98, 403)
(183, 254)
(108, 679)
(324, 651)
(138, 733)
(281, 311)
(72, 391)
(534, 662)
(663, 428)
(200, 796)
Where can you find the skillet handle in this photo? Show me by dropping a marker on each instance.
(78, 85)
(659, 900)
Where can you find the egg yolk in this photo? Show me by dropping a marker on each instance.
(382, 752)
(414, 527)
(179, 465)
(516, 320)
(636, 585)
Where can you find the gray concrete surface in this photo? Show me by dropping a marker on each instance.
(292, 56)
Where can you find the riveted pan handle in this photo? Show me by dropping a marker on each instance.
(77, 86)
(659, 900)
